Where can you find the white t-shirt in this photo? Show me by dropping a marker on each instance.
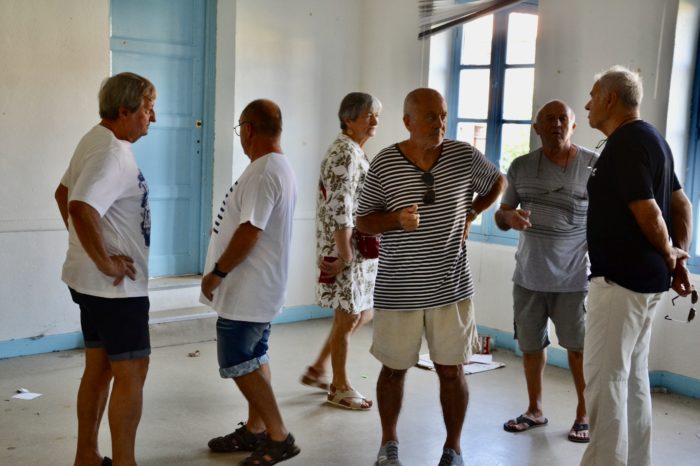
(103, 173)
(264, 195)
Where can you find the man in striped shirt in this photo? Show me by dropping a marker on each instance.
(420, 195)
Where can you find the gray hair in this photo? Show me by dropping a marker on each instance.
(354, 104)
(625, 83)
(124, 89)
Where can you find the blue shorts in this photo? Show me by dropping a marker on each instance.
(241, 346)
(118, 325)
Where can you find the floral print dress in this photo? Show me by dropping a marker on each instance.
(343, 172)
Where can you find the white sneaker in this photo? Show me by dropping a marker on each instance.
(450, 458)
(388, 454)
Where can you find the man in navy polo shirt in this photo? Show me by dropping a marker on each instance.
(639, 230)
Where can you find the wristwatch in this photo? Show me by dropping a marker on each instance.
(218, 272)
(472, 214)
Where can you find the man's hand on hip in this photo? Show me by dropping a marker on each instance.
(119, 267)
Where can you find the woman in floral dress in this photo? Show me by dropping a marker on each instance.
(346, 282)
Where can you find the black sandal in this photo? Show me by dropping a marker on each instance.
(240, 439)
(270, 452)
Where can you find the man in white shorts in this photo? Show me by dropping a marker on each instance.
(419, 194)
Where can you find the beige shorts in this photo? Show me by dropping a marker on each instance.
(449, 330)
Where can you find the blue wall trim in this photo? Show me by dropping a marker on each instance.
(74, 340)
(299, 313)
(40, 344)
(674, 383)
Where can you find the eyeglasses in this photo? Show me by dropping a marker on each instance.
(237, 128)
(600, 144)
(429, 180)
(691, 313)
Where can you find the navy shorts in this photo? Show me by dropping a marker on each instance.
(119, 325)
(241, 346)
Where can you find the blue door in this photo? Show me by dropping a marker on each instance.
(164, 40)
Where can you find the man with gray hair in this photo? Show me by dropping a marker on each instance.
(551, 272)
(639, 230)
(103, 200)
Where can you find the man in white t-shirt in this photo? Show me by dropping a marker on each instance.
(248, 261)
(103, 200)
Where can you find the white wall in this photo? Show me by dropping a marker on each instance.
(54, 56)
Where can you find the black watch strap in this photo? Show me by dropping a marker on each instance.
(218, 272)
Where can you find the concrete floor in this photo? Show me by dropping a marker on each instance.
(186, 403)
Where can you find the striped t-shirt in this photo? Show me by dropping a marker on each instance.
(427, 267)
(552, 254)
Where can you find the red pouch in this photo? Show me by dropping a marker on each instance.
(368, 245)
(327, 280)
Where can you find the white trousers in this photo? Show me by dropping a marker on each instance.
(616, 369)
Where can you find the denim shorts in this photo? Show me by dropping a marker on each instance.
(241, 346)
(118, 325)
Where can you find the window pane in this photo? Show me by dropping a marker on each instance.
(517, 94)
(473, 94)
(522, 33)
(476, 41)
(515, 141)
(473, 133)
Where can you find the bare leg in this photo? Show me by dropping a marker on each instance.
(576, 365)
(92, 399)
(257, 390)
(339, 335)
(324, 355)
(454, 397)
(533, 364)
(389, 397)
(344, 325)
(125, 406)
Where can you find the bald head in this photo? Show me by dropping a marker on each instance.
(420, 97)
(557, 107)
(265, 117)
(554, 124)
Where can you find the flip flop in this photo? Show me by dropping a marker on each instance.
(512, 425)
(349, 399)
(313, 378)
(576, 428)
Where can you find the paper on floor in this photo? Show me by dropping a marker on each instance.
(474, 366)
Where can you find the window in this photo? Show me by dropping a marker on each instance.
(692, 181)
(491, 89)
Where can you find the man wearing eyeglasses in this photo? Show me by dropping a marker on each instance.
(639, 230)
(420, 194)
(246, 284)
(551, 273)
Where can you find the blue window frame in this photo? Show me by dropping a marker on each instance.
(490, 93)
(692, 182)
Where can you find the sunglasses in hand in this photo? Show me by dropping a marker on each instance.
(691, 313)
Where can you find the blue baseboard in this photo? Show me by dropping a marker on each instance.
(674, 383)
(40, 344)
(74, 340)
(299, 313)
